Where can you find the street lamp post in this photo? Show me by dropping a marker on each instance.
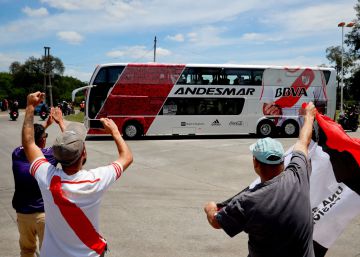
(48, 72)
(342, 25)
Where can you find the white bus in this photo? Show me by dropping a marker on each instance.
(204, 99)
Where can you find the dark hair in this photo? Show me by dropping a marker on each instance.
(38, 132)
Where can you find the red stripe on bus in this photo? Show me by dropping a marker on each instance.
(323, 85)
(136, 82)
(76, 218)
(289, 101)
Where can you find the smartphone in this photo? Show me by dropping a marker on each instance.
(96, 124)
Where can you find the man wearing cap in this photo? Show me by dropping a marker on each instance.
(275, 213)
(72, 195)
(27, 199)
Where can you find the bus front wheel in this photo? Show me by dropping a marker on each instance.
(132, 130)
(266, 128)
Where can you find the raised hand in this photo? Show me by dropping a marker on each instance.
(310, 109)
(109, 125)
(35, 99)
(56, 113)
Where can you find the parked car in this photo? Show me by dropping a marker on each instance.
(38, 108)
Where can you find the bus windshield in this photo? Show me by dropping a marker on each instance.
(104, 80)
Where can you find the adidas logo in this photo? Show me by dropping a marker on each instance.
(216, 123)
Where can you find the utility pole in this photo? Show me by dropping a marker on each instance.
(45, 73)
(48, 72)
(155, 49)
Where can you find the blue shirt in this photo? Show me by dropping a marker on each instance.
(27, 197)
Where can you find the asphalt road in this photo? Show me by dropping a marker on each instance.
(156, 207)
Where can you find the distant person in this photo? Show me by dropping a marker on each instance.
(72, 195)
(15, 105)
(5, 104)
(44, 108)
(82, 106)
(275, 213)
(64, 108)
(71, 108)
(27, 199)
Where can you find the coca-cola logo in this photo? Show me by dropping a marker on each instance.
(236, 123)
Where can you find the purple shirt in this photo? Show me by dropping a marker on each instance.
(27, 197)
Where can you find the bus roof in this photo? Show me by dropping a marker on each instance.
(226, 65)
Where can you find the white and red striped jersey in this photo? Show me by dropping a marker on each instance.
(72, 205)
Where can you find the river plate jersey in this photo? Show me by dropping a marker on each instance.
(72, 205)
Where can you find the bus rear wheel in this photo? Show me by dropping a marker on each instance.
(132, 130)
(290, 128)
(266, 128)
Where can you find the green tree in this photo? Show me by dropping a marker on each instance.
(351, 60)
(353, 42)
(29, 77)
(354, 87)
(15, 67)
(333, 54)
(6, 83)
(353, 38)
(67, 85)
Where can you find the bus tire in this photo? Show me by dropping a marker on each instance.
(290, 128)
(132, 130)
(265, 128)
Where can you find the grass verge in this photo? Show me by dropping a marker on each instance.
(79, 117)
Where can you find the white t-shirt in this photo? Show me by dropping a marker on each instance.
(72, 208)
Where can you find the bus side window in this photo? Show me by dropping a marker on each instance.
(236, 81)
(201, 110)
(224, 80)
(207, 79)
(190, 109)
(193, 79)
(215, 79)
(182, 79)
(257, 80)
(257, 75)
(242, 81)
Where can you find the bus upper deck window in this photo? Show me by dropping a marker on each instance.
(327, 75)
(257, 75)
(100, 77)
(114, 74)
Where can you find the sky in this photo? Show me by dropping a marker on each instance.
(84, 34)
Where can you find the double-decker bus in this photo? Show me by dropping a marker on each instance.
(209, 99)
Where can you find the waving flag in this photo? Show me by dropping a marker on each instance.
(344, 152)
(334, 182)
